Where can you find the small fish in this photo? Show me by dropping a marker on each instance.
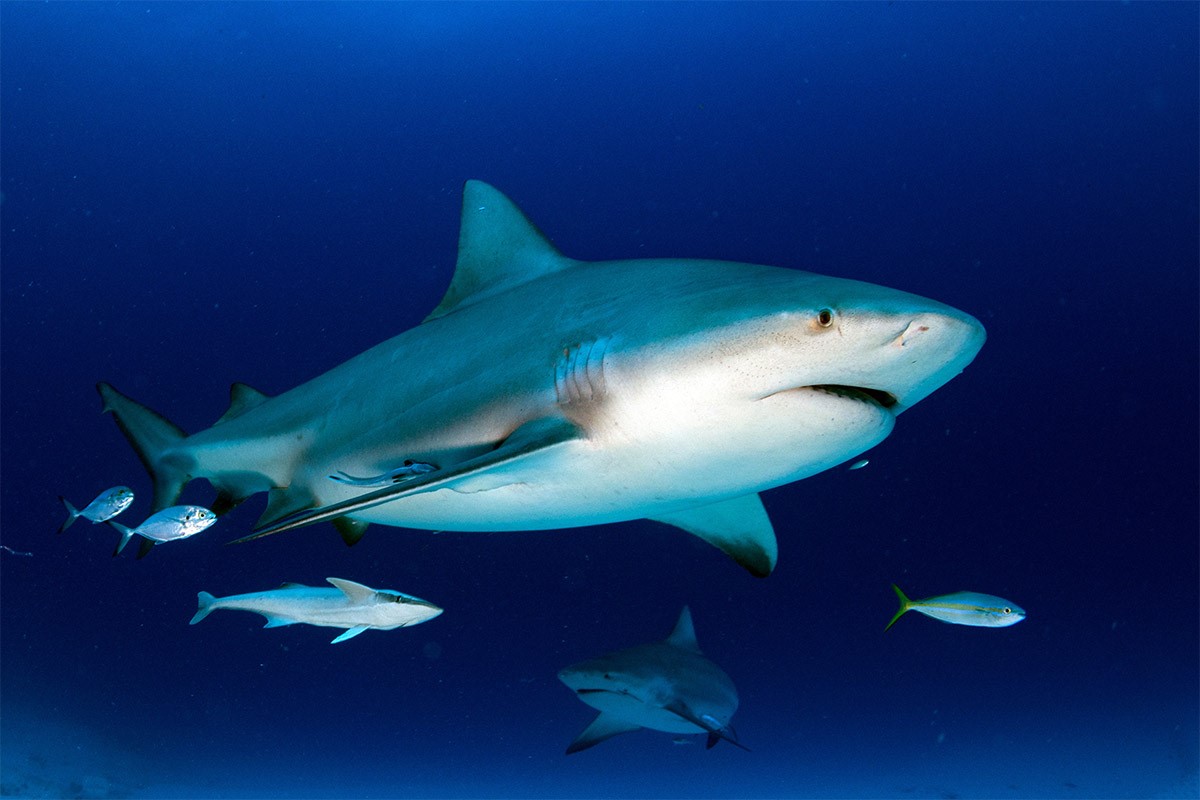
(349, 605)
(859, 464)
(398, 475)
(107, 505)
(962, 608)
(176, 522)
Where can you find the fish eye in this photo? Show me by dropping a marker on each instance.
(1006, 610)
(825, 317)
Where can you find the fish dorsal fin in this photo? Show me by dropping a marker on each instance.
(498, 248)
(684, 635)
(357, 592)
(242, 398)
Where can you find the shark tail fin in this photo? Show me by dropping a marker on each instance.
(72, 514)
(905, 605)
(151, 434)
(126, 534)
(204, 606)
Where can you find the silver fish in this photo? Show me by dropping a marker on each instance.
(176, 522)
(107, 505)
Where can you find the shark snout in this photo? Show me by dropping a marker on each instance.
(931, 348)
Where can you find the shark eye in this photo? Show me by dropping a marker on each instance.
(825, 317)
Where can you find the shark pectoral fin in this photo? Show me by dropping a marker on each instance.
(604, 726)
(355, 592)
(533, 437)
(715, 732)
(350, 634)
(740, 527)
(351, 529)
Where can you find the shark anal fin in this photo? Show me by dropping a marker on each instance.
(533, 437)
(285, 501)
(604, 726)
(350, 634)
(352, 530)
(739, 527)
(278, 622)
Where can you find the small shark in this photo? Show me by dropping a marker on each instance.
(665, 686)
(556, 393)
(349, 605)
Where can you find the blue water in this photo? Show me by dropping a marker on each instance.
(195, 194)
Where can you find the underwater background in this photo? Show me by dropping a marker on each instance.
(195, 194)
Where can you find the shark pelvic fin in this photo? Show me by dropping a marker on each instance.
(151, 434)
(739, 527)
(242, 398)
(684, 635)
(352, 530)
(533, 437)
(604, 726)
(284, 501)
(498, 248)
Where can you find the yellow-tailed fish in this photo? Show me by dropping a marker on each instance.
(962, 608)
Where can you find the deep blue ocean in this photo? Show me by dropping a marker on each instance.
(196, 194)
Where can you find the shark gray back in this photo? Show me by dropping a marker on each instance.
(545, 392)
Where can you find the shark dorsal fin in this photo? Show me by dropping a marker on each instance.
(498, 248)
(292, 585)
(357, 592)
(242, 398)
(684, 635)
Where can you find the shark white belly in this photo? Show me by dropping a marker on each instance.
(552, 393)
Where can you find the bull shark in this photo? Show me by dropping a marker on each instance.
(547, 392)
(665, 686)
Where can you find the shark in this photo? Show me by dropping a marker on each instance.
(665, 686)
(546, 392)
(348, 605)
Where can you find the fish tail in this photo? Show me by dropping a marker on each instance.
(905, 605)
(204, 606)
(151, 435)
(72, 514)
(126, 534)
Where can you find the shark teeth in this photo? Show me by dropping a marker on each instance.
(875, 396)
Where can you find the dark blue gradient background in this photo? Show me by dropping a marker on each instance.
(195, 194)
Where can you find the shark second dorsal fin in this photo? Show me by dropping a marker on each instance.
(684, 635)
(242, 398)
(498, 248)
(356, 592)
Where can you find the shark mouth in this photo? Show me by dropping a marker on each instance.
(859, 393)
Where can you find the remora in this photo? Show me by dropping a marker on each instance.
(554, 393)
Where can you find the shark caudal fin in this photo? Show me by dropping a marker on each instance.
(72, 514)
(151, 434)
(204, 606)
(905, 605)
